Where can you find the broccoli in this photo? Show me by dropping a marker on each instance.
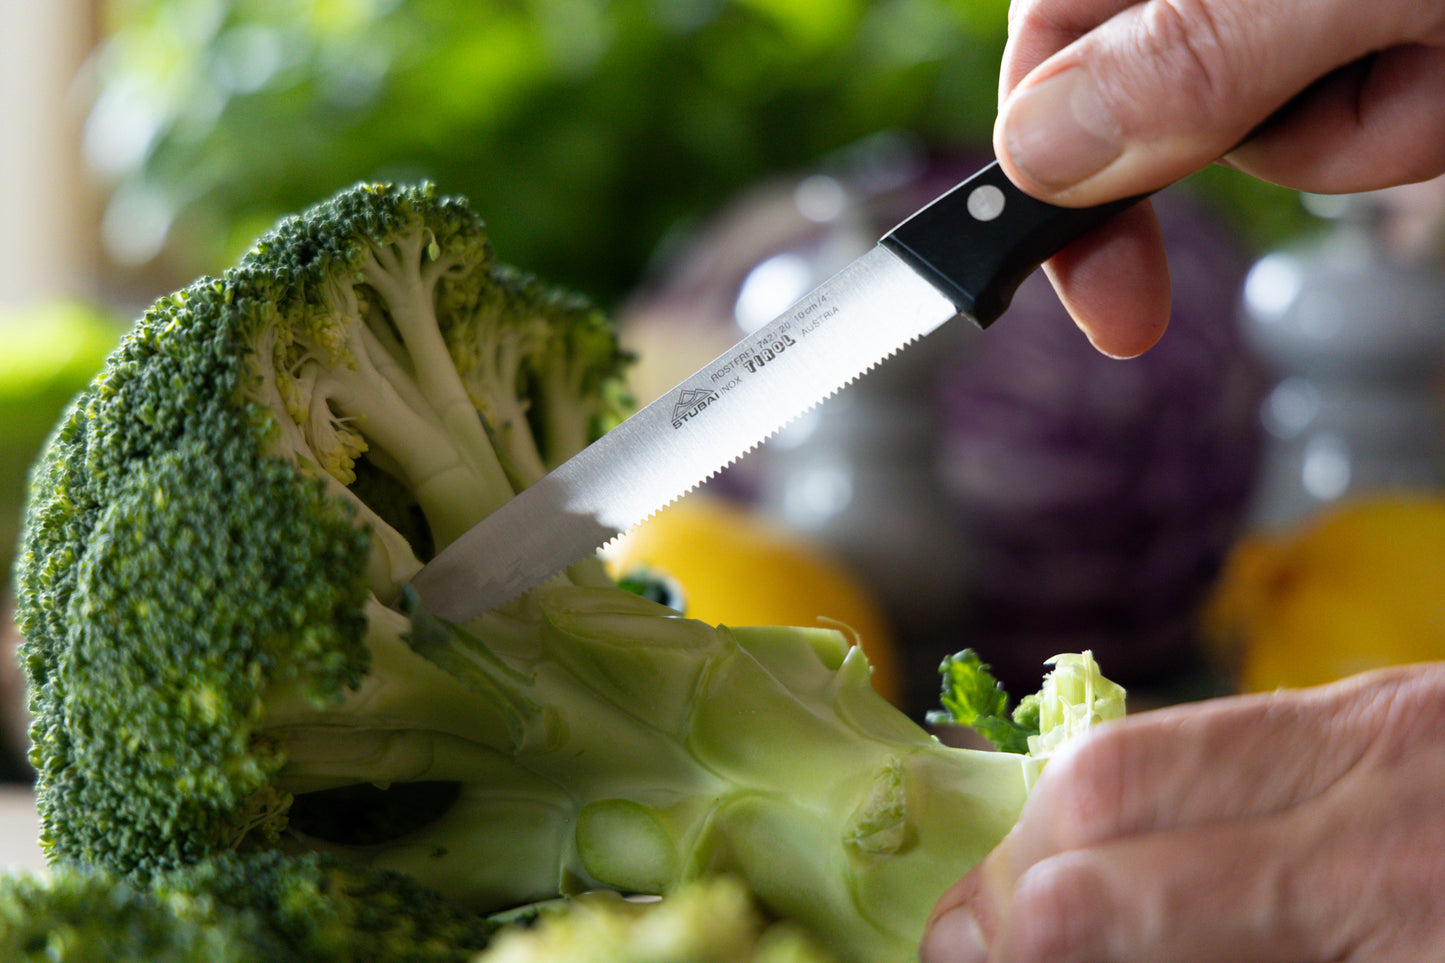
(1075, 696)
(72, 915)
(258, 908)
(704, 921)
(222, 519)
(224, 655)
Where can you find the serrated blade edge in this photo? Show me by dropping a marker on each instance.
(849, 323)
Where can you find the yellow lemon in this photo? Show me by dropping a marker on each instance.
(733, 567)
(1358, 586)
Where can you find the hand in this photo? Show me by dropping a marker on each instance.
(1302, 826)
(1102, 99)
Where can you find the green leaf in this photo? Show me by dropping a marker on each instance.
(973, 698)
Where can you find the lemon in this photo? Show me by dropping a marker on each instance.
(735, 567)
(1358, 586)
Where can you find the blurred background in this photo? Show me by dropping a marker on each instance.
(1254, 503)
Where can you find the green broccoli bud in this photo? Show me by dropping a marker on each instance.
(318, 909)
(71, 915)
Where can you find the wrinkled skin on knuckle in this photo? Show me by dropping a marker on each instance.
(1035, 34)
(1376, 838)
(1396, 711)
(1189, 49)
(1057, 908)
(1091, 788)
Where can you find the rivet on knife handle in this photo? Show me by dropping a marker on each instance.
(978, 242)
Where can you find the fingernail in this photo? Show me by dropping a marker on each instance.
(1059, 132)
(954, 937)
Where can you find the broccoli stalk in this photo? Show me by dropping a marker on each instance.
(1074, 697)
(633, 749)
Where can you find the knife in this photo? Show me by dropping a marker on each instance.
(965, 254)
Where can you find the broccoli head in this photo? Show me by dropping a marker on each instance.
(221, 519)
(225, 656)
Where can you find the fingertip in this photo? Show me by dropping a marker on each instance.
(1120, 342)
(956, 929)
(1115, 283)
(1061, 912)
(954, 937)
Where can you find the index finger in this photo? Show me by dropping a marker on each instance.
(1154, 804)
(1188, 765)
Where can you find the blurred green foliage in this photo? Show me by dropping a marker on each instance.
(584, 130)
(51, 352)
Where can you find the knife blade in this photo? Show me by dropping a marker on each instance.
(965, 254)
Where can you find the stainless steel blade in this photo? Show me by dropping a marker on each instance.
(964, 253)
(848, 324)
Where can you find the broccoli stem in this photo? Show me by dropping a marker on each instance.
(405, 273)
(647, 749)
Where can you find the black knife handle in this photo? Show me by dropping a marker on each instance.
(978, 242)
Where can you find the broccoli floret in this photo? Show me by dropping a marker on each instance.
(320, 909)
(260, 908)
(539, 365)
(224, 656)
(220, 521)
(705, 921)
(72, 915)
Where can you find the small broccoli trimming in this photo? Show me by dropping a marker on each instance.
(224, 656)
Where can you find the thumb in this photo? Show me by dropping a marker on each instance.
(1162, 88)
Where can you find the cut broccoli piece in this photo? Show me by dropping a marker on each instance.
(1074, 697)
